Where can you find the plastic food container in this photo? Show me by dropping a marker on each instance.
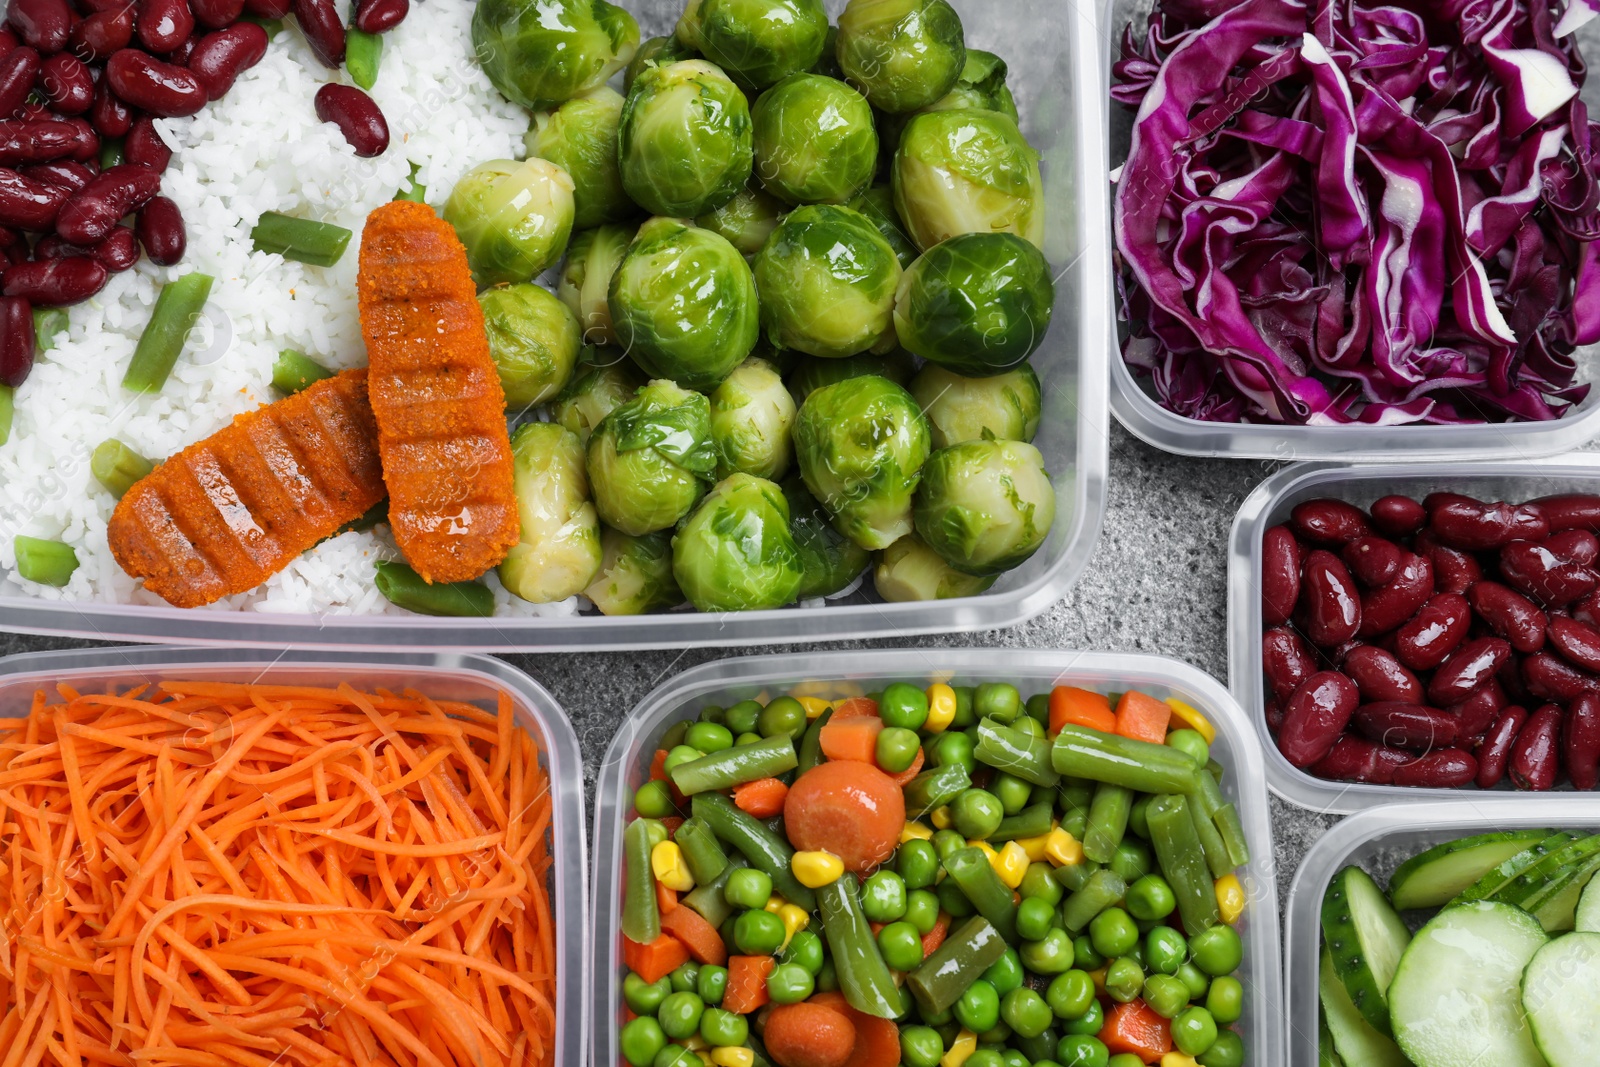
(833, 675)
(1138, 410)
(1379, 840)
(1054, 55)
(475, 679)
(1271, 503)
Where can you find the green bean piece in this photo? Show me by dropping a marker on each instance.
(767, 758)
(116, 466)
(47, 322)
(1016, 752)
(1215, 769)
(1073, 876)
(1101, 891)
(969, 868)
(1136, 765)
(1231, 827)
(377, 513)
(766, 850)
(1183, 862)
(673, 737)
(292, 371)
(110, 152)
(412, 190)
(8, 411)
(403, 586)
(176, 311)
(701, 851)
(708, 899)
(272, 26)
(1108, 821)
(641, 917)
(935, 788)
(320, 244)
(1031, 821)
(864, 977)
(45, 562)
(1211, 843)
(1074, 794)
(362, 54)
(811, 742)
(969, 951)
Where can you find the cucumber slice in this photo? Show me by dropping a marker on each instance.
(1588, 917)
(1433, 878)
(1456, 999)
(1491, 883)
(1351, 1037)
(1561, 994)
(1327, 1055)
(1530, 888)
(1557, 909)
(1365, 936)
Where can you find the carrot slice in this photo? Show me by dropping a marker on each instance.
(811, 1034)
(1135, 1028)
(935, 937)
(1143, 718)
(659, 958)
(762, 798)
(698, 936)
(666, 899)
(877, 1040)
(905, 776)
(855, 739)
(658, 766)
(855, 707)
(1070, 705)
(747, 983)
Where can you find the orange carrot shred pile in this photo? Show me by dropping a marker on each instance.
(218, 875)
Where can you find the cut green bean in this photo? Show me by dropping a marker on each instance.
(701, 851)
(935, 788)
(8, 411)
(45, 562)
(969, 868)
(1016, 752)
(1031, 821)
(116, 466)
(767, 758)
(864, 978)
(811, 742)
(674, 735)
(1231, 827)
(1072, 876)
(1108, 821)
(377, 513)
(362, 54)
(955, 965)
(1183, 862)
(1137, 765)
(47, 323)
(110, 152)
(292, 371)
(176, 311)
(1102, 889)
(766, 850)
(271, 25)
(404, 587)
(412, 190)
(707, 898)
(320, 244)
(1204, 802)
(641, 915)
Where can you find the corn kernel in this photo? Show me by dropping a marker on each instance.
(814, 706)
(1192, 718)
(729, 1056)
(816, 869)
(1033, 847)
(987, 849)
(666, 860)
(774, 904)
(965, 1044)
(795, 918)
(941, 817)
(1178, 1059)
(914, 831)
(1062, 849)
(941, 708)
(1230, 898)
(705, 1058)
(1099, 979)
(1011, 864)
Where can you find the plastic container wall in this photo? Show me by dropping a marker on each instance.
(471, 679)
(1271, 503)
(835, 675)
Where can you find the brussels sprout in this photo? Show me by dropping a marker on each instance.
(558, 551)
(534, 340)
(585, 285)
(877, 204)
(814, 140)
(751, 413)
(746, 221)
(735, 552)
(827, 280)
(860, 445)
(967, 171)
(539, 53)
(910, 570)
(657, 51)
(758, 42)
(635, 574)
(514, 218)
(829, 561)
(979, 303)
(683, 303)
(985, 506)
(814, 372)
(982, 85)
(684, 143)
(1005, 406)
(603, 381)
(580, 136)
(904, 54)
(650, 460)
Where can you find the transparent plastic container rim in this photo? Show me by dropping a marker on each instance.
(570, 897)
(666, 703)
(1258, 511)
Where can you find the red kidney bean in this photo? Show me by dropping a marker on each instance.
(1474, 714)
(1380, 677)
(163, 25)
(67, 83)
(179, 56)
(1286, 661)
(1328, 522)
(1406, 726)
(1280, 575)
(1445, 768)
(22, 141)
(1588, 609)
(1328, 600)
(217, 14)
(18, 72)
(1570, 511)
(108, 115)
(1577, 642)
(64, 174)
(1476, 526)
(219, 58)
(1440, 499)
(28, 204)
(268, 9)
(1398, 516)
(94, 38)
(1372, 560)
(1315, 716)
(1385, 609)
(1453, 571)
(42, 24)
(89, 214)
(149, 84)
(1355, 759)
(1544, 572)
(94, 7)
(159, 227)
(55, 282)
(357, 117)
(380, 16)
(1424, 642)
(1274, 715)
(119, 251)
(16, 340)
(144, 146)
(8, 40)
(1509, 614)
(319, 21)
(1580, 741)
(1535, 755)
(1551, 678)
(1467, 670)
(88, 143)
(1494, 752)
(1579, 545)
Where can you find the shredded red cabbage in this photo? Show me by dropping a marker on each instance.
(1353, 213)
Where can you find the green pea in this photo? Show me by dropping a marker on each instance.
(1038, 707)
(1190, 742)
(686, 979)
(917, 863)
(680, 1015)
(1124, 979)
(708, 737)
(986, 1057)
(1194, 1031)
(1165, 950)
(1132, 860)
(712, 983)
(1227, 1051)
(643, 998)
(748, 888)
(785, 715)
(1070, 994)
(827, 977)
(946, 842)
(742, 717)
(805, 950)
(724, 1028)
(944, 1022)
(997, 700)
(675, 1056)
(964, 716)
(883, 897)
(748, 738)
(953, 900)
(1013, 1058)
(976, 813)
(1225, 1001)
(757, 933)
(1090, 1022)
(978, 1008)
(901, 946)
(1195, 979)
(1139, 816)
(1217, 951)
(921, 1046)
(1025, 1012)
(1150, 898)
(1012, 792)
(1035, 917)
(922, 910)
(653, 800)
(713, 713)
(1136, 953)
(1113, 933)
(904, 706)
(680, 754)
(789, 983)
(1082, 1050)
(1167, 996)
(954, 748)
(1051, 954)
(1005, 973)
(1040, 1049)
(641, 1039)
(1030, 727)
(1084, 957)
(897, 749)
(1038, 882)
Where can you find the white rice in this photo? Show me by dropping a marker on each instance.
(258, 149)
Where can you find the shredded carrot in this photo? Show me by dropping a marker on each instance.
(228, 875)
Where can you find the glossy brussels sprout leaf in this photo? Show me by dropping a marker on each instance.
(684, 143)
(534, 341)
(657, 51)
(814, 140)
(580, 136)
(978, 304)
(585, 285)
(877, 204)
(1004, 406)
(757, 42)
(735, 552)
(904, 54)
(683, 304)
(650, 460)
(751, 415)
(967, 171)
(558, 551)
(635, 574)
(514, 218)
(814, 372)
(829, 561)
(604, 380)
(982, 85)
(985, 506)
(860, 445)
(539, 53)
(910, 570)
(747, 220)
(827, 280)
